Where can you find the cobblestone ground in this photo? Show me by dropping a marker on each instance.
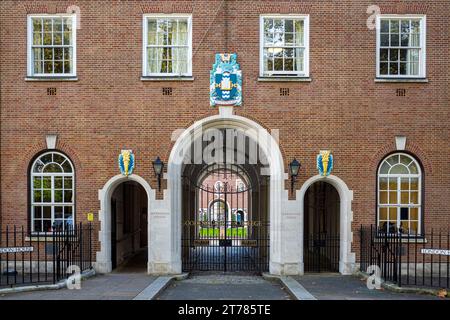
(339, 287)
(224, 287)
(113, 286)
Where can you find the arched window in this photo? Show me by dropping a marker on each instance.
(52, 192)
(399, 195)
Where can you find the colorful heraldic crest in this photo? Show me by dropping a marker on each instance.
(126, 162)
(226, 81)
(325, 162)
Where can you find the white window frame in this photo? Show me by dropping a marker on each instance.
(30, 62)
(397, 205)
(145, 18)
(287, 74)
(51, 204)
(422, 52)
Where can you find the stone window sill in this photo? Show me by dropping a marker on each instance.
(167, 78)
(284, 79)
(51, 79)
(401, 80)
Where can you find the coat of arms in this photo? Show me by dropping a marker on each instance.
(226, 81)
(325, 162)
(126, 162)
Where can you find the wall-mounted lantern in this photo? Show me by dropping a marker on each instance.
(294, 166)
(158, 166)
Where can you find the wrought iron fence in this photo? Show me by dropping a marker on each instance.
(407, 260)
(321, 252)
(43, 258)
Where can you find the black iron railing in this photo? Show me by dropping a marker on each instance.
(407, 260)
(321, 252)
(43, 258)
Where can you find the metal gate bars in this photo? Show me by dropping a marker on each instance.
(224, 225)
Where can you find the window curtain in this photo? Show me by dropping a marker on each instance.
(299, 41)
(180, 55)
(413, 54)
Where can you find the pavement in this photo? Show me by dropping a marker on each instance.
(338, 287)
(224, 287)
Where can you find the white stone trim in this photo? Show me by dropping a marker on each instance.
(400, 143)
(346, 256)
(276, 170)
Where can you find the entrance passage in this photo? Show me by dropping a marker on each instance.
(129, 227)
(321, 233)
(225, 225)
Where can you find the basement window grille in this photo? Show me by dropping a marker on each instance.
(284, 91)
(51, 91)
(401, 92)
(167, 91)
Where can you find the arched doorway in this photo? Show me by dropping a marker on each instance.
(104, 258)
(321, 228)
(213, 193)
(346, 256)
(129, 227)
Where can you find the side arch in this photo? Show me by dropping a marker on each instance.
(104, 264)
(346, 256)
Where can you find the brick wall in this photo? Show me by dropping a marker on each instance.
(109, 108)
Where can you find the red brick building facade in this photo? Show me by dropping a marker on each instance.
(341, 105)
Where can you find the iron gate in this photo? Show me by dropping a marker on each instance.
(224, 228)
(321, 252)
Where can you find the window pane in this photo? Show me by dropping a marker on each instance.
(278, 64)
(47, 226)
(414, 213)
(393, 197)
(289, 39)
(288, 25)
(67, 196)
(37, 38)
(67, 168)
(67, 66)
(414, 197)
(278, 25)
(278, 39)
(47, 212)
(384, 25)
(394, 26)
(399, 169)
(268, 25)
(383, 214)
(48, 53)
(394, 40)
(67, 212)
(52, 167)
(47, 24)
(67, 38)
(67, 183)
(48, 67)
(58, 182)
(58, 67)
(404, 197)
(47, 38)
(414, 227)
(37, 182)
(47, 196)
(37, 24)
(383, 183)
(57, 38)
(268, 38)
(384, 39)
(37, 195)
(385, 168)
(37, 225)
(393, 55)
(414, 184)
(384, 54)
(58, 212)
(405, 40)
(68, 24)
(393, 68)
(404, 184)
(393, 212)
(47, 182)
(58, 195)
(298, 32)
(57, 24)
(383, 197)
(384, 68)
(288, 64)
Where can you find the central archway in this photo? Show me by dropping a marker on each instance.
(268, 146)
